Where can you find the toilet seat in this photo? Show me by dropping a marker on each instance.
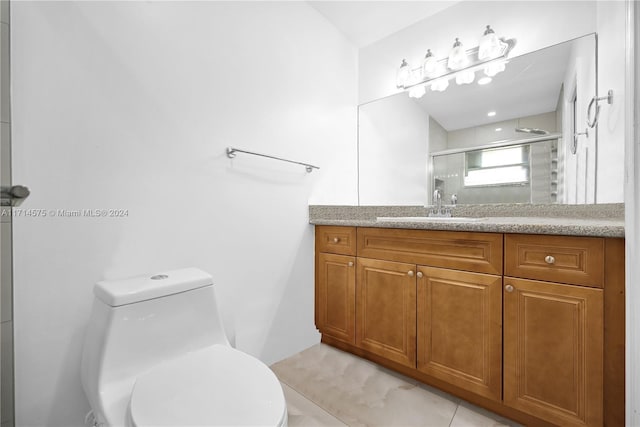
(217, 385)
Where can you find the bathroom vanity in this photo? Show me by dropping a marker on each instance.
(530, 326)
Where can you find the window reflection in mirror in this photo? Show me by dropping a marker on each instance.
(497, 166)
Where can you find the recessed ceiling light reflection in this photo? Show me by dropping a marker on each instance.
(484, 80)
(491, 113)
(498, 129)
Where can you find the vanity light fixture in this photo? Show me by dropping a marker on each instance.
(404, 74)
(458, 58)
(494, 68)
(490, 45)
(429, 65)
(440, 85)
(465, 77)
(490, 56)
(417, 91)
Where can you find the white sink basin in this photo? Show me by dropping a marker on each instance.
(427, 219)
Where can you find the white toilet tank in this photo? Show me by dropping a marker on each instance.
(136, 324)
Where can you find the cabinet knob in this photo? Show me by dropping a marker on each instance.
(350, 263)
(410, 273)
(508, 288)
(336, 239)
(549, 259)
(419, 274)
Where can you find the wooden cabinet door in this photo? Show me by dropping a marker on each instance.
(336, 305)
(460, 329)
(553, 351)
(386, 309)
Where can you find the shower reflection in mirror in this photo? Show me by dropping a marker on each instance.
(520, 173)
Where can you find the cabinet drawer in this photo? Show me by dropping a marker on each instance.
(479, 252)
(573, 260)
(336, 240)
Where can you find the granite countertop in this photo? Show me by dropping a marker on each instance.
(594, 220)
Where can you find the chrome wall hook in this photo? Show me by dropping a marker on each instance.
(595, 100)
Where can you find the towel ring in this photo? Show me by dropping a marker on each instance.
(592, 123)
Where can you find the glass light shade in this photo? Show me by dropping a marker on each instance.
(429, 65)
(494, 68)
(440, 85)
(490, 46)
(465, 77)
(404, 74)
(458, 57)
(417, 91)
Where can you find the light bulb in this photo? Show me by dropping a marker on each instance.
(429, 65)
(465, 77)
(494, 68)
(458, 57)
(440, 85)
(484, 80)
(490, 46)
(417, 91)
(404, 74)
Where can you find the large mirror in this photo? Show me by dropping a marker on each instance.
(520, 138)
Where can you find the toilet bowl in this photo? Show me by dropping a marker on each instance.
(155, 354)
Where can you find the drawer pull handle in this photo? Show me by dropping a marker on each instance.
(508, 288)
(336, 239)
(410, 273)
(549, 259)
(350, 263)
(419, 274)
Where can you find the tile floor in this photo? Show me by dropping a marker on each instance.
(325, 386)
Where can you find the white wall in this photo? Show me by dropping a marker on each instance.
(611, 74)
(130, 105)
(393, 146)
(535, 24)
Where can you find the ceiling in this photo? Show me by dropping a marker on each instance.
(365, 22)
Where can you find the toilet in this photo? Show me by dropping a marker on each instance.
(156, 354)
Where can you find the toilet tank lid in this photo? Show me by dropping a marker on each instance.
(128, 291)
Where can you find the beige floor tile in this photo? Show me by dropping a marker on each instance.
(469, 415)
(362, 393)
(304, 413)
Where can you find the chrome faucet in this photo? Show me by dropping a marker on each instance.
(454, 199)
(437, 209)
(437, 199)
